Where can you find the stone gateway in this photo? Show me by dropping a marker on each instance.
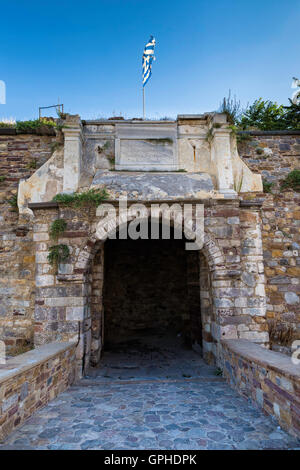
(73, 277)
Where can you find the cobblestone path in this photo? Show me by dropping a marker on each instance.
(122, 406)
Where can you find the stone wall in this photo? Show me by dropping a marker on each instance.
(68, 301)
(274, 155)
(237, 295)
(270, 380)
(31, 380)
(20, 156)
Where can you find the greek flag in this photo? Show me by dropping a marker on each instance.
(148, 58)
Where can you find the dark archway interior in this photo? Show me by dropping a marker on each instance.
(151, 289)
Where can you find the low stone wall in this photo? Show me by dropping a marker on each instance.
(31, 380)
(268, 378)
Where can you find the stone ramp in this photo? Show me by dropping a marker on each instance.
(178, 403)
(202, 414)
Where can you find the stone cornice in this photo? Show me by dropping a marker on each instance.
(207, 202)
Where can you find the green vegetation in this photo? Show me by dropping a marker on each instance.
(58, 254)
(32, 165)
(267, 186)
(112, 159)
(2, 178)
(6, 124)
(243, 137)
(232, 108)
(209, 135)
(88, 198)
(292, 181)
(55, 146)
(107, 150)
(13, 201)
(60, 114)
(41, 126)
(264, 115)
(292, 116)
(57, 228)
(237, 184)
(37, 126)
(107, 145)
(217, 125)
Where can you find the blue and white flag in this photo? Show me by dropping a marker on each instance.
(148, 58)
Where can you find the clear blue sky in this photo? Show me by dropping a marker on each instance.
(88, 53)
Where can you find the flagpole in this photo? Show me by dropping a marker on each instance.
(143, 103)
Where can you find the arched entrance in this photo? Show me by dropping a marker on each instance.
(151, 307)
(155, 287)
(70, 304)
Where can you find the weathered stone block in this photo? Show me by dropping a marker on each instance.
(74, 313)
(44, 280)
(65, 301)
(40, 237)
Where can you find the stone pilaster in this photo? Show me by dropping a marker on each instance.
(72, 155)
(222, 161)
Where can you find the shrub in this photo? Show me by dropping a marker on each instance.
(37, 126)
(32, 165)
(6, 124)
(243, 138)
(88, 198)
(292, 181)
(292, 116)
(263, 115)
(232, 108)
(13, 202)
(267, 186)
(58, 254)
(58, 227)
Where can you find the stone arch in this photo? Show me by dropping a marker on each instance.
(212, 263)
(211, 249)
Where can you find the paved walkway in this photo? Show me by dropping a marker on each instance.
(122, 406)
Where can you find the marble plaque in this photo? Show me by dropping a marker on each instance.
(142, 152)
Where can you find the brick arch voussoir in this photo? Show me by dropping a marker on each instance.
(212, 251)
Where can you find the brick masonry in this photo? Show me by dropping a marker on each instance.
(270, 381)
(30, 381)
